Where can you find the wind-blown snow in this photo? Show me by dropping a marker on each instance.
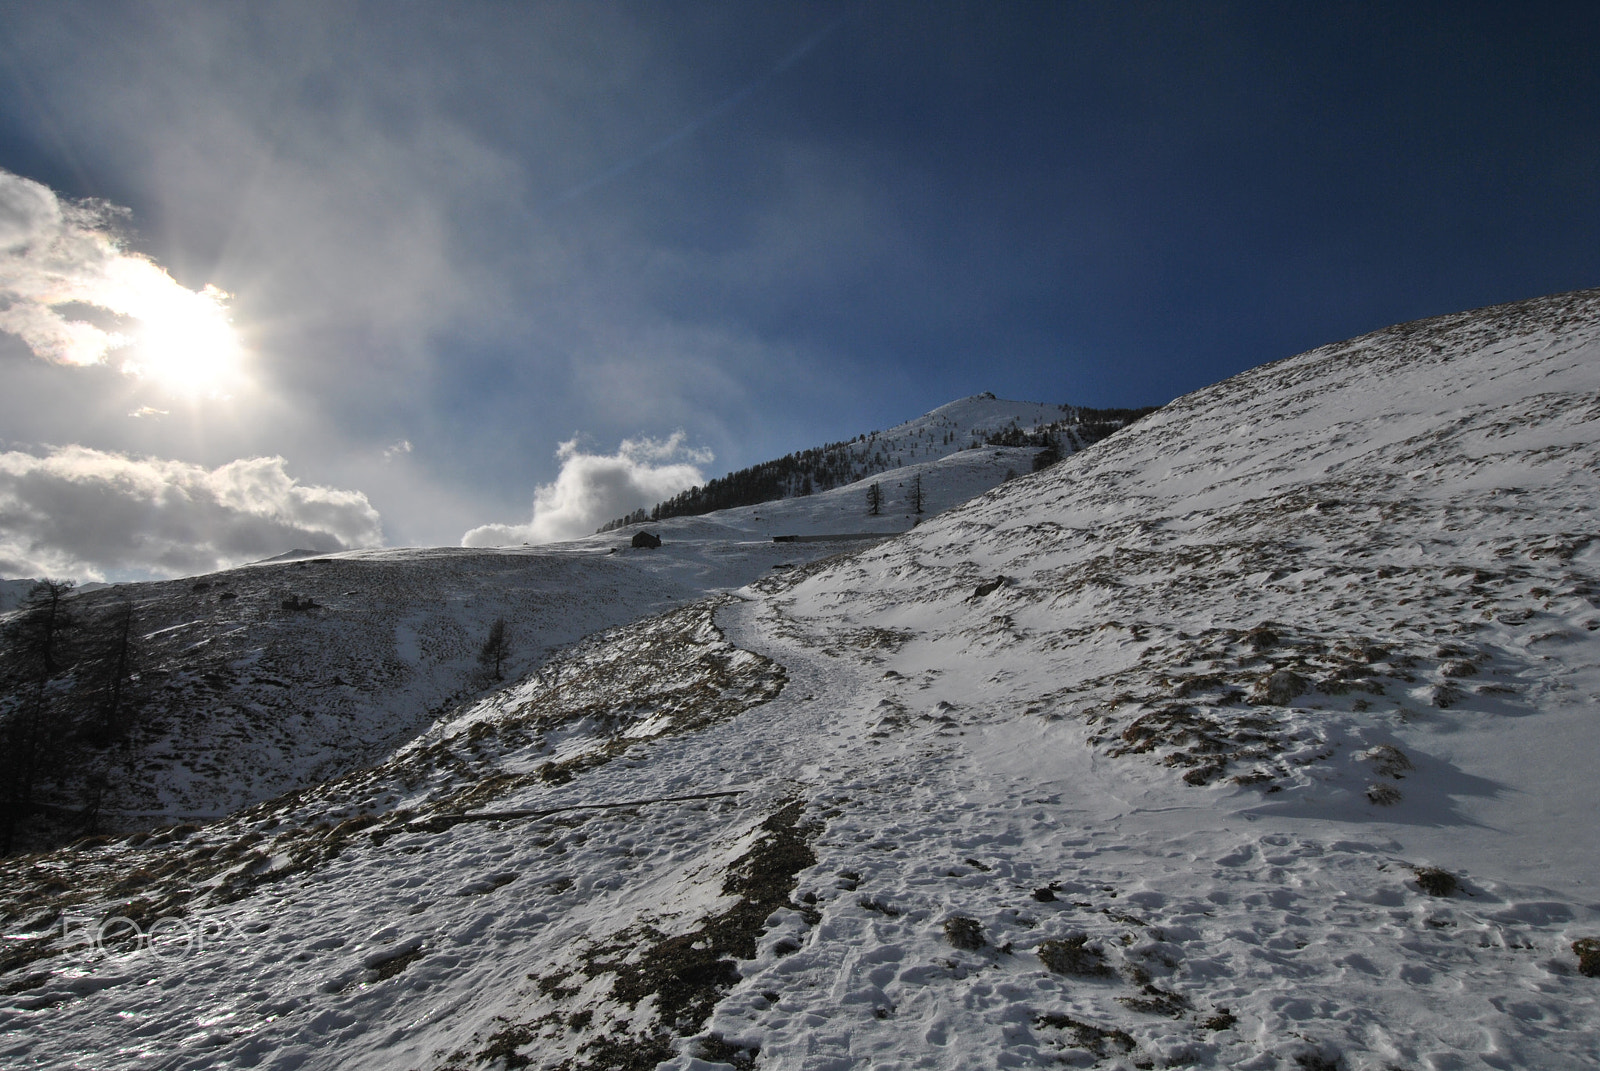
(1158, 758)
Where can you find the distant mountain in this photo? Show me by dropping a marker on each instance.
(966, 424)
(290, 556)
(13, 593)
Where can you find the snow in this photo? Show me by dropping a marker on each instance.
(255, 699)
(1130, 721)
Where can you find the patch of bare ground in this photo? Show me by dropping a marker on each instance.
(1233, 704)
(671, 982)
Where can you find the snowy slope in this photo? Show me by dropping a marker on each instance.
(1278, 645)
(959, 425)
(249, 698)
(967, 424)
(1142, 761)
(948, 479)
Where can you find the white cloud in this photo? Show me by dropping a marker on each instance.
(398, 449)
(83, 513)
(68, 290)
(595, 488)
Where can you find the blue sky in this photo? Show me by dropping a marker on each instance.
(457, 236)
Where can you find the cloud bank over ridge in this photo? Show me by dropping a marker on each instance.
(592, 489)
(89, 514)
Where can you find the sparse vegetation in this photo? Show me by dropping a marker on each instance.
(1436, 882)
(1097, 1039)
(1072, 955)
(1157, 1001)
(389, 966)
(963, 933)
(1587, 949)
(1384, 795)
(686, 974)
(878, 906)
(718, 1050)
(1387, 761)
(1279, 688)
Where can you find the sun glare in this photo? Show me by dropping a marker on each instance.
(185, 342)
(180, 339)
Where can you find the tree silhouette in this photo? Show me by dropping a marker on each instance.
(36, 650)
(117, 651)
(874, 499)
(915, 499)
(495, 649)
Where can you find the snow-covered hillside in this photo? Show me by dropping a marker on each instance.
(278, 675)
(1257, 736)
(959, 425)
(965, 425)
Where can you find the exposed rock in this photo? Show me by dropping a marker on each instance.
(988, 587)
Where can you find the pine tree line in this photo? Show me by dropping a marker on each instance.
(70, 689)
(823, 468)
(1083, 428)
(792, 476)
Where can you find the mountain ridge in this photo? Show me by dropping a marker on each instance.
(969, 423)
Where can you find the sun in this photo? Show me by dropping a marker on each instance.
(179, 339)
(185, 341)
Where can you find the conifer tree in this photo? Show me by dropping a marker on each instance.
(117, 650)
(495, 649)
(37, 642)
